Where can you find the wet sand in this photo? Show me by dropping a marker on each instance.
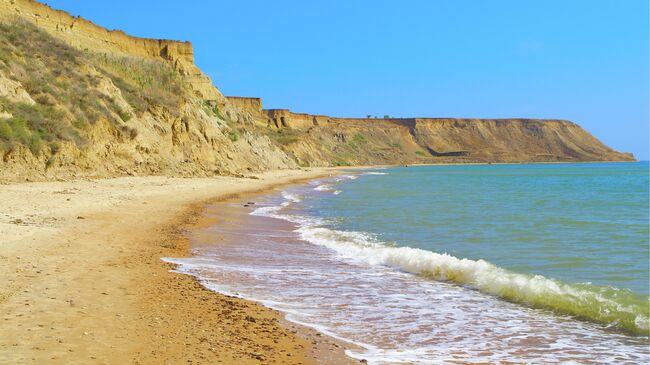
(83, 281)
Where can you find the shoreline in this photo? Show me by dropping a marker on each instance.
(487, 163)
(85, 282)
(254, 265)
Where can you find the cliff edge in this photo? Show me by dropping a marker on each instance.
(78, 100)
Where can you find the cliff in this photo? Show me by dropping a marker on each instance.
(320, 139)
(85, 35)
(426, 140)
(78, 100)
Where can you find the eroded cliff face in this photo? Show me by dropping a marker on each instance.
(131, 107)
(77, 100)
(319, 139)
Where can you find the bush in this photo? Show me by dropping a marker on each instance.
(15, 129)
(285, 136)
(5, 131)
(233, 136)
(338, 161)
(47, 68)
(33, 125)
(67, 100)
(359, 139)
(144, 81)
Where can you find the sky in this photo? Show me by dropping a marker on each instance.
(585, 61)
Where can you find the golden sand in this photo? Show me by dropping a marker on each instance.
(83, 281)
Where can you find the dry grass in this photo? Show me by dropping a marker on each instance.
(143, 82)
(284, 136)
(57, 77)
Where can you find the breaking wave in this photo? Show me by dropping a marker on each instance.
(375, 173)
(616, 308)
(328, 188)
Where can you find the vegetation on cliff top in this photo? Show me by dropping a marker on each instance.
(66, 85)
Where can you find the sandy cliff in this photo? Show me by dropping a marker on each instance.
(429, 140)
(80, 100)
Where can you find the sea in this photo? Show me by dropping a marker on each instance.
(448, 264)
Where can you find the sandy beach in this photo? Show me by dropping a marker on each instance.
(83, 281)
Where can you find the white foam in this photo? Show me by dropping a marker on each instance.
(266, 211)
(291, 197)
(375, 173)
(534, 290)
(343, 285)
(328, 188)
(350, 177)
(478, 274)
(324, 187)
(422, 321)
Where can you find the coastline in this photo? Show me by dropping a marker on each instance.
(487, 163)
(314, 234)
(85, 282)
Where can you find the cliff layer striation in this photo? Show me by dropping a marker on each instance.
(78, 100)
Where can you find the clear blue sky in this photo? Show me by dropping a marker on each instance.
(586, 61)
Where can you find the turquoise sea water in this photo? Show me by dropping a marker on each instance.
(580, 223)
(541, 263)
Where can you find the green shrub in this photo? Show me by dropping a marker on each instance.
(67, 100)
(33, 125)
(19, 129)
(5, 131)
(338, 161)
(123, 114)
(285, 136)
(359, 139)
(16, 129)
(420, 153)
(35, 143)
(233, 136)
(47, 68)
(341, 163)
(143, 82)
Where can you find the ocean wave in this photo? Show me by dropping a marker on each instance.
(324, 187)
(610, 306)
(375, 173)
(606, 305)
(328, 188)
(267, 211)
(291, 197)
